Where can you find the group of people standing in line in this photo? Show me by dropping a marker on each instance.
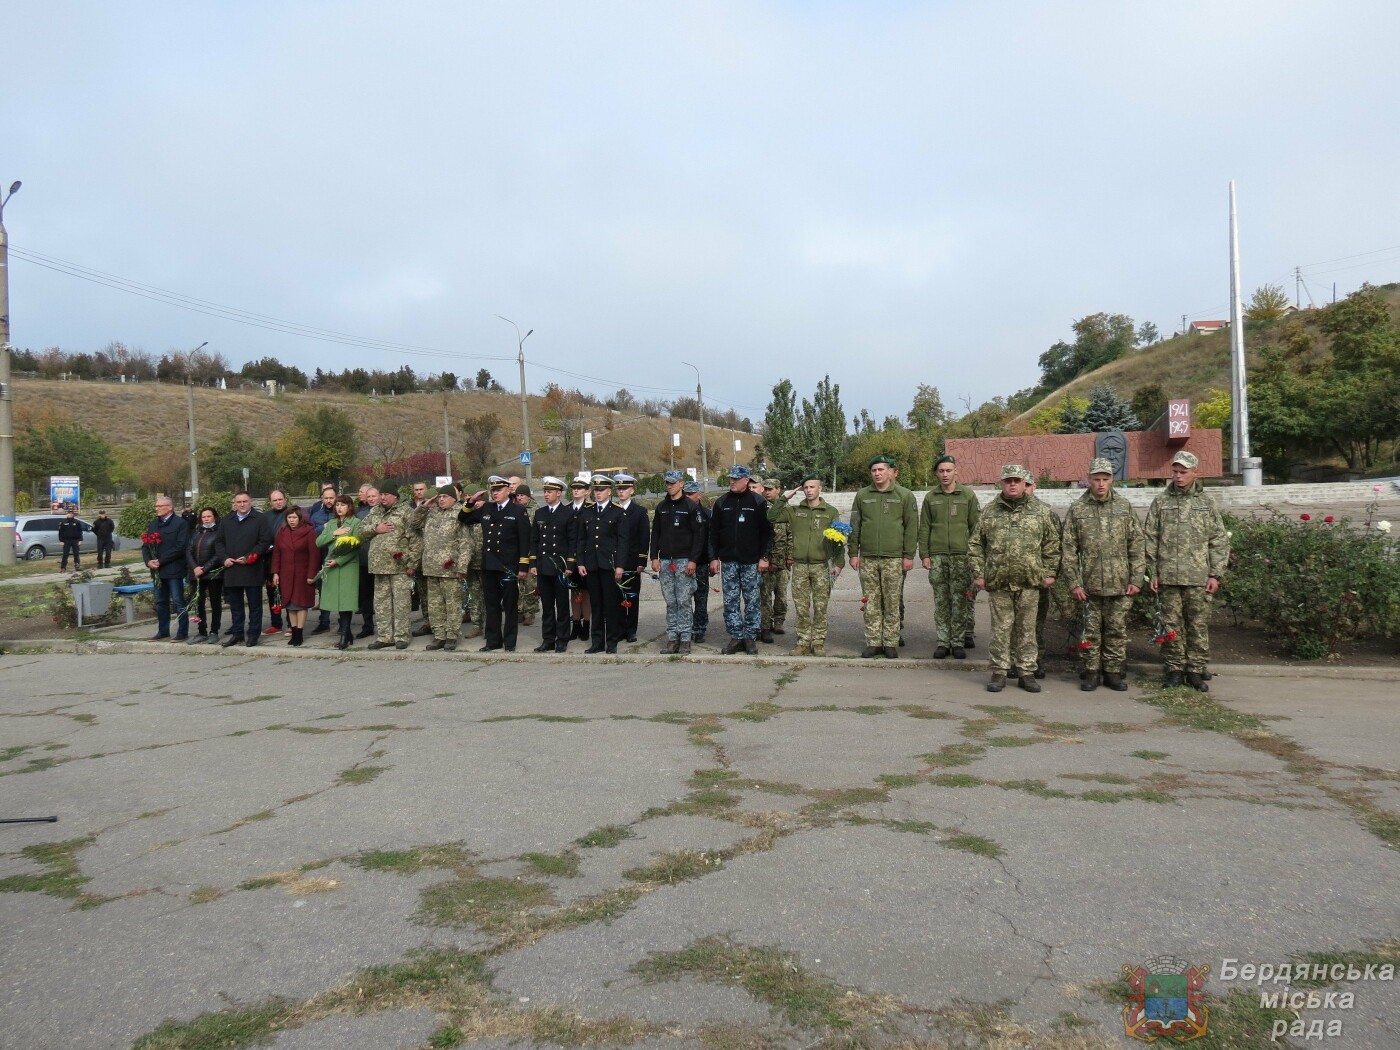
(582, 557)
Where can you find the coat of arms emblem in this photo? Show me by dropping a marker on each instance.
(1166, 1000)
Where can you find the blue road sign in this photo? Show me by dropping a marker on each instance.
(524, 459)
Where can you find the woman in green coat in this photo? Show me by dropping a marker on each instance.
(340, 573)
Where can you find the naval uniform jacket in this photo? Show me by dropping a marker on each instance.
(555, 543)
(599, 539)
(636, 537)
(505, 535)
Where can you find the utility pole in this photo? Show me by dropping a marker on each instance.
(524, 406)
(1297, 287)
(189, 398)
(1183, 324)
(704, 453)
(446, 439)
(8, 522)
(1241, 461)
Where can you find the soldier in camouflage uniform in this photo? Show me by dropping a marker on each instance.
(527, 607)
(1014, 552)
(816, 560)
(775, 580)
(447, 550)
(884, 535)
(946, 519)
(1042, 605)
(1103, 561)
(1187, 551)
(393, 559)
(475, 600)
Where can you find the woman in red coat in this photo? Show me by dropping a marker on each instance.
(295, 560)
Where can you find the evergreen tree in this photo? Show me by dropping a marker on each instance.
(1107, 411)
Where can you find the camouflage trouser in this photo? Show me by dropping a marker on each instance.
(1042, 610)
(811, 588)
(700, 621)
(881, 581)
(1013, 629)
(476, 597)
(774, 599)
(1186, 611)
(393, 606)
(528, 604)
(952, 598)
(739, 585)
(442, 604)
(678, 589)
(1106, 631)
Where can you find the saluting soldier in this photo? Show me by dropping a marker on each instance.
(447, 551)
(816, 560)
(1187, 551)
(636, 537)
(773, 596)
(393, 559)
(600, 559)
(1013, 553)
(505, 559)
(946, 520)
(552, 553)
(1103, 559)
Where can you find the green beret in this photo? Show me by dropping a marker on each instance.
(811, 477)
(886, 460)
(945, 458)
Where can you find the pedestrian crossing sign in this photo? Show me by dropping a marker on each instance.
(524, 459)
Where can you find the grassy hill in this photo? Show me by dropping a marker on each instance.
(1189, 365)
(147, 422)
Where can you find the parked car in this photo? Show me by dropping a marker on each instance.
(36, 536)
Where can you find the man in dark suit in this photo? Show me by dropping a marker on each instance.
(103, 528)
(70, 534)
(505, 559)
(243, 541)
(552, 553)
(600, 563)
(636, 535)
(166, 558)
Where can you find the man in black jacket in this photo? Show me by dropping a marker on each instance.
(505, 559)
(600, 557)
(679, 543)
(103, 528)
(166, 558)
(636, 532)
(277, 517)
(552, 554)
(740, 538)
(70, 534)
(700, 621)
(242, 544)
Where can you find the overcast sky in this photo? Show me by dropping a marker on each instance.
(891, 193)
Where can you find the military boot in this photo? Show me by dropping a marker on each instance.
(998, 682)
(1174, 679)
(1090, 682)
(1196, 682)
(1114, 680)
(1029, 684)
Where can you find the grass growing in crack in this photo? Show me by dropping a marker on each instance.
(710, 802)
(296, 882)
(1034, 787)
(1378, 953)
(898, 780)
(606, 837)
(205, 894)
(411, 861)
(405, 703)
(955, 780)
(63, 877)
(667, 869)
(449, 1035)
(420, 973)
(920, 711)
(834, 799)
(1011, 741)
(786, 678)
(361, 774)
(773, 977)
(240, 1027)
(253, 699)
(1100, 795)
(564, 865)
(950, 755)
(535, 718)
(488, 903)
(708, 777)
(756, 712)
(983, 847)
(917, 827)
(1098, 778)
(1150, 756)
(868, 709)
(1008, 713)
(1187, 707)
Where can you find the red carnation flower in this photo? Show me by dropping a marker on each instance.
(864, 601)
(1171, 636)
(1329, 519)
(277, 608)
(448, 563)
(1305, 517)
(398, 555)
(253, 558)
(627, 605)
(1086, 644)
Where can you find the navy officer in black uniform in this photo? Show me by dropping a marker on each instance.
(552, 554)
(505, 559)
(636, 534)
(600, 562)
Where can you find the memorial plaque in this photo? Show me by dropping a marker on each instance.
(1112, 445)
(1178, 421)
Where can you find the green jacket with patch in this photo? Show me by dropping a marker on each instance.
(1186, 538)
(1015, 544)
(884, 524)
(806, 526)
(946, 520)
(1103, 548)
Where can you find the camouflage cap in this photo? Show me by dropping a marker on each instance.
(772, 483)
(673, 476)
(1186, 459)
(691, 486)
(738, 471)
(1102, 466)
(1015, 470)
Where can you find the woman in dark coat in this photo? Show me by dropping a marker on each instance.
(295, 559)
(340, 583)
(207, 574)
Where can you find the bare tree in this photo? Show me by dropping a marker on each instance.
(479, 432)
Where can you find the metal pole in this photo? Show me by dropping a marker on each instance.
(1239, 443)
(7, 429)
(189, 405)
(524, 408)
(704, 453)
(446, 438)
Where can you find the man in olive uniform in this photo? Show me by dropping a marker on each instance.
(1042, 605)
(946, 519)
(552, 552)
(1014, 552)
(446, 554)
(528, 604)
(393, 559)
(775, 580)
(505, 560)
(884, 535)
(1187, 551)
(816, 560)
(1103, 560)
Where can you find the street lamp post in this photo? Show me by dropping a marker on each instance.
(7, 428)
(189, 398)
(704, 453)
(524, 408)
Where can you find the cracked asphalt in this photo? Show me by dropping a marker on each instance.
(895, 827)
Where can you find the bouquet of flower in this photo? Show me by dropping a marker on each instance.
(342, 545)
(838, 532)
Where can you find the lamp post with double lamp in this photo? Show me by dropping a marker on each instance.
(524, 408)
(704, 454)
(7, 429)
(189, 395)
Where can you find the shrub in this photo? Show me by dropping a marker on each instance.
(1312, 581)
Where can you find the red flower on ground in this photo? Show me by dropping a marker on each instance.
(1305, 517)
(1329, 519)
